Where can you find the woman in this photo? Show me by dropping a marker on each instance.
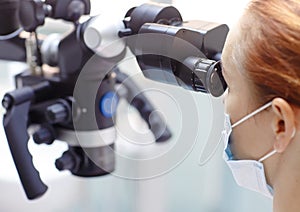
(261, 65)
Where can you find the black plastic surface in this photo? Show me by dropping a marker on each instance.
(17, 104)
(31, 14)
(9, 21)
(88, 162)
(15, 126)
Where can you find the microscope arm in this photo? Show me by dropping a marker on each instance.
(156, 124)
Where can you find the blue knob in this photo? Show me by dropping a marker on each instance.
(108, 104)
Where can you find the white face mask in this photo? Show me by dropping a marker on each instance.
(249, 174)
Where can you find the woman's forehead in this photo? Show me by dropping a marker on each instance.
(235, 46)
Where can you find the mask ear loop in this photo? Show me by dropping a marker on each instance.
(252, 114)
(267, 155)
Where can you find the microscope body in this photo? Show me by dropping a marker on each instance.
(47, 102)
(77, 104)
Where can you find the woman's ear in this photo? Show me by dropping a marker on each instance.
(283, 123)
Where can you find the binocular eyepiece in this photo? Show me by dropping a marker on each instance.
(206, 76)
(177, 52)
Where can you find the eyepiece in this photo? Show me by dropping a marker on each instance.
(208, 78)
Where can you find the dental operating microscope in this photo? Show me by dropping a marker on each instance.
(72, 87)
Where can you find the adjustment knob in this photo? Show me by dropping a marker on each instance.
(66, 162)
(45, 135)
(58, 113)
(7, 102)
(32, 14)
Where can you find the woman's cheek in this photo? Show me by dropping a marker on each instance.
(229, 105)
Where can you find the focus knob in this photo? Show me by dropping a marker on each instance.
(45, 135)
(59, 112)
(66, 162)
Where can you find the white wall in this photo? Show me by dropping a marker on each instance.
(213, 10)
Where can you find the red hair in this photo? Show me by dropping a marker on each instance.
(270, 43)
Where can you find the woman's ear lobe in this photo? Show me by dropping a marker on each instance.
(281, 143)
(283, 124)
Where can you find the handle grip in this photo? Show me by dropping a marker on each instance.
(15, 126)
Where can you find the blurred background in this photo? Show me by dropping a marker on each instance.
(149, 177)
